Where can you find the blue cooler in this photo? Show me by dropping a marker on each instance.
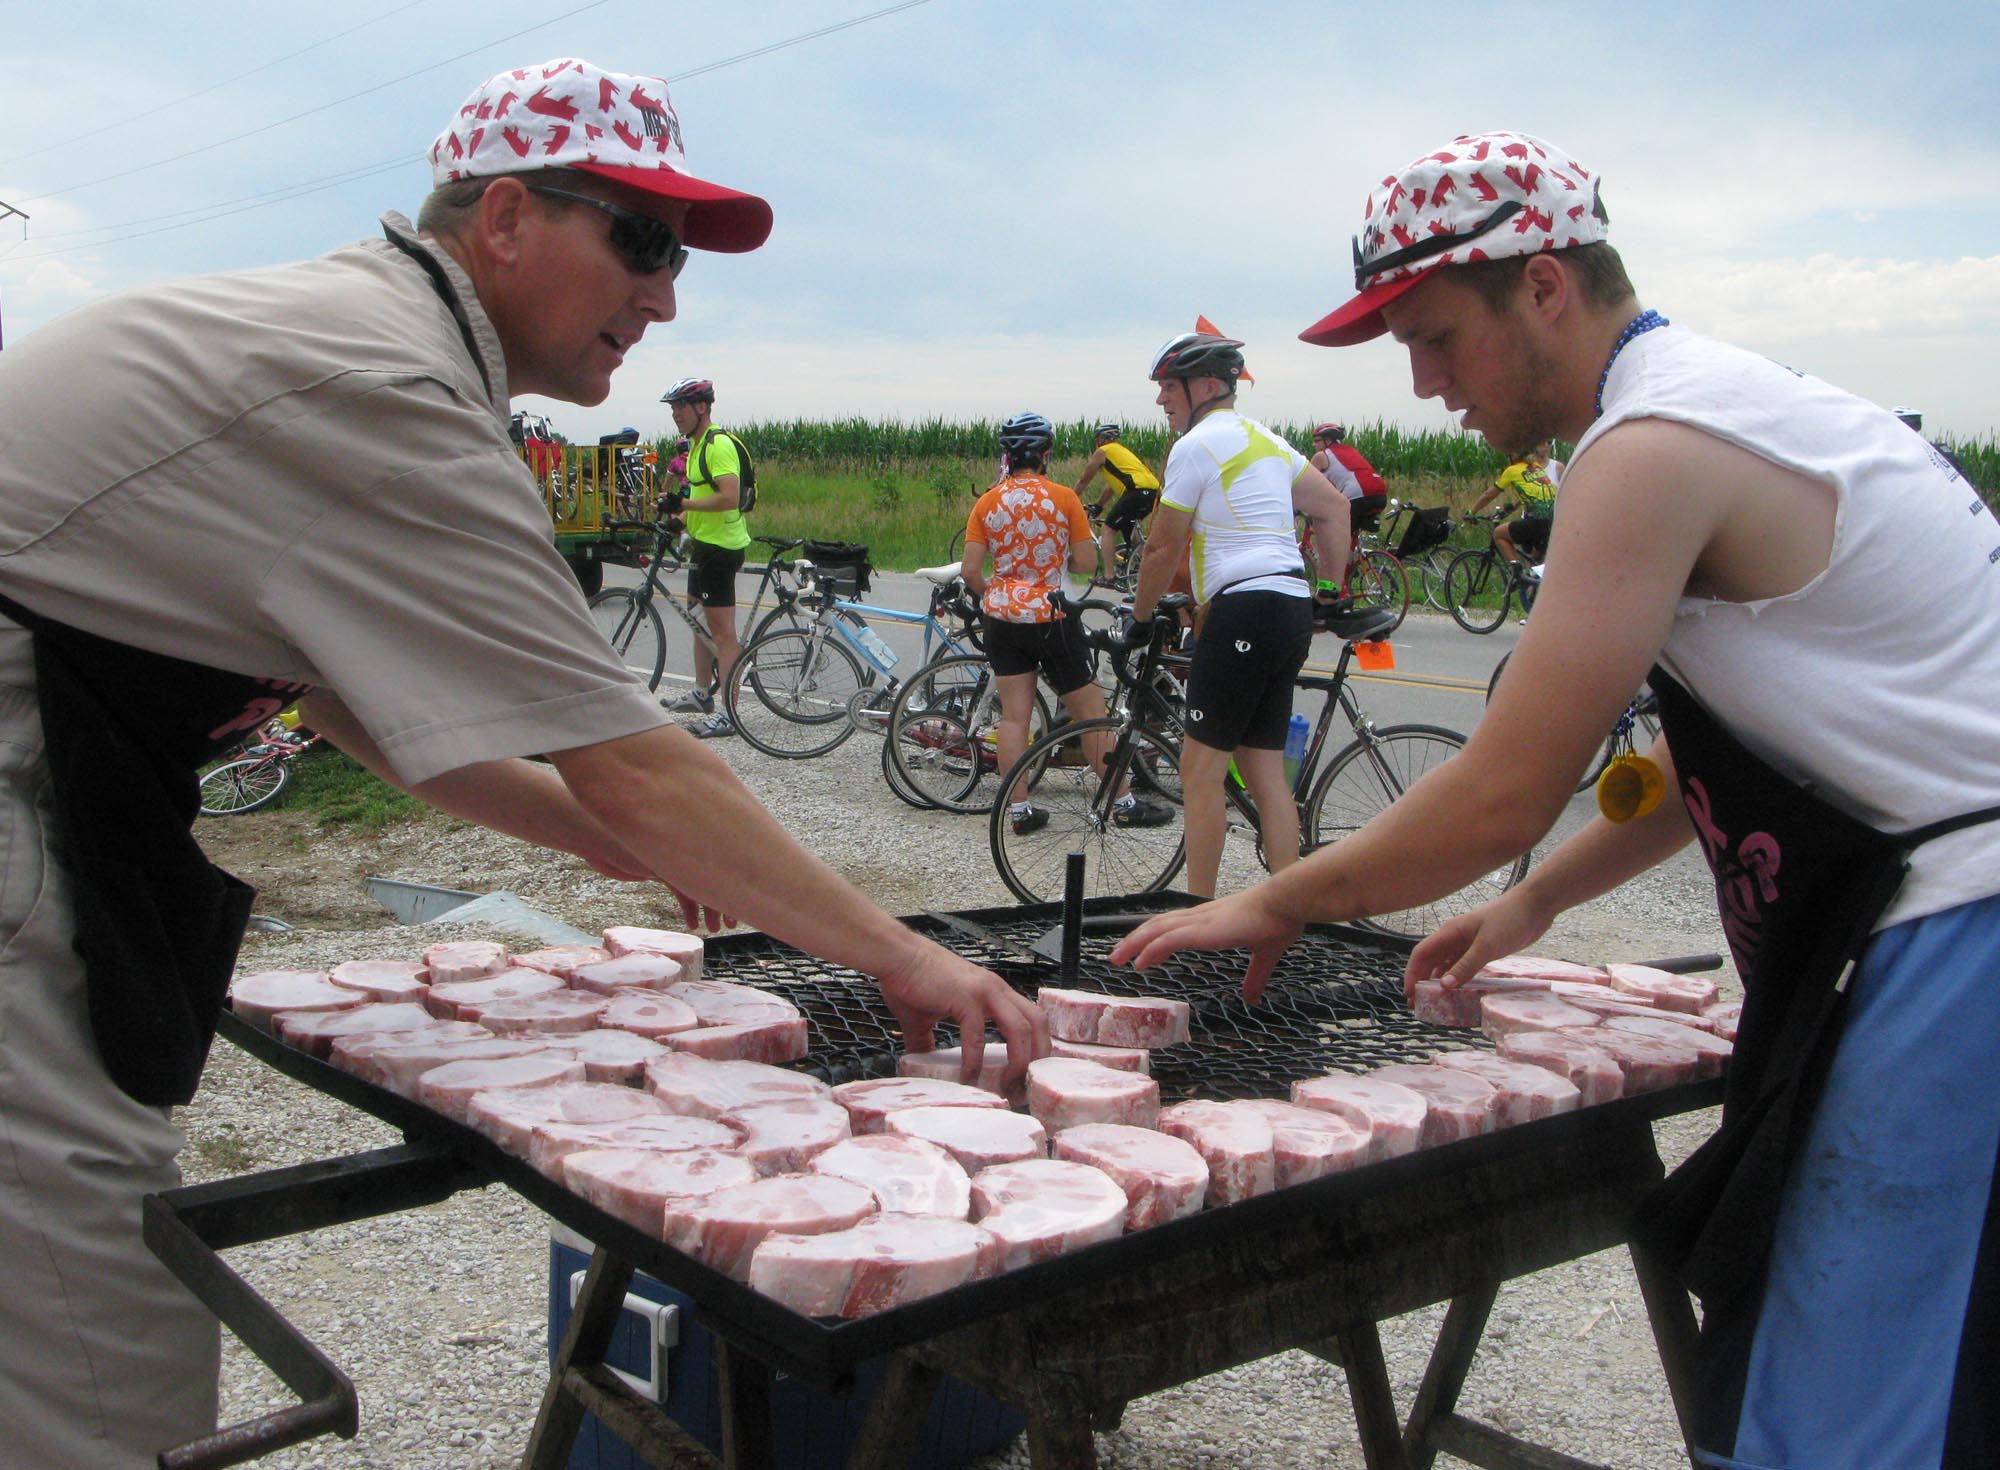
(663, 1351)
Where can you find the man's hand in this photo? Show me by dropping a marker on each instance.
(1462, 945)
(938, 985)
(1133, 632)
(1242, 921)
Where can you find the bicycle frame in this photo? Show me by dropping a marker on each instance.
(661, 561)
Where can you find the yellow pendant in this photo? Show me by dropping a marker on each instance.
(1630, 786)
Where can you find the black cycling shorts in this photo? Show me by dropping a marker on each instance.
(1131, 508)
(1531, 534)
(712, 574)
(1055, 649)
(1239, 689)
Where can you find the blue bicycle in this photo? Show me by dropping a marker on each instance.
(798, 692)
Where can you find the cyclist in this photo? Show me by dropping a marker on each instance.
(1526, 478)
(1033, 530)
(1349, 470)
(1138, 490)
(720, 534)
(1233, 489)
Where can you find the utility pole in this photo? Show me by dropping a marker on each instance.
(7, 210)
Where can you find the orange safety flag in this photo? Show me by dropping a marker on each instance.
(1203, 324)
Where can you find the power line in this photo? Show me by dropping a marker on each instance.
(231, 80)
(797, 40)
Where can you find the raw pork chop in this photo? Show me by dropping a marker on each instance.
(356, 1054)
(1522, 1091)
(1648, 1062)
(1235, 1143)
(725, 1228)
(391, 980)
(686, 949)
(944, 1063)
(1041, 1208)
(719, 1003)
(449, 1089)
(785, 1137)
(1528, 1010)
(1063, 1093)
(1602, 1001)
(647, 1013)
(627, 972)
(1535, 967)
(399, 1067)
(1307, 1143)
(1393, 1115)
(463, 1000)
(508, 1115)
(1110, 1020)
(883, 1262)
(1437, 1004)
(561, 959)
(869, 1102)
(708, 1089)
(769, 1042)
(558, 1013)
(1118, 1058)
(661, 1133)
(907, 1175)
(1456, 1104)
(464, 959)
(257, 998)
(1724, 1016)
(1670, 992)
(977, 1137)
(1164, 1177)
(316, 1031)
(613, 1056)
(1591, 1070)
(1713, 1051)
(640, 1186)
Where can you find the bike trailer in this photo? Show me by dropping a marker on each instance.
(844, 564)
(1429, 526)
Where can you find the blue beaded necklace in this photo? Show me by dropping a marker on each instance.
(1644, 322)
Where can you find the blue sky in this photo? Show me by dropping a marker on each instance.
(985, 206)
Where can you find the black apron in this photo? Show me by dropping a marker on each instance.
(157, 924)
(1800, 886)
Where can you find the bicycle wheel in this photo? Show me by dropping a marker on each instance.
(1472, 581)
(1361, 783)
(1376, 580)
(1426, 574)
(631, 625)
(788, 693)
(243, 786)
(943, 750)
(1116, 859)
(1124, 571)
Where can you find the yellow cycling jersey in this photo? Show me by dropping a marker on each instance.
(1130, 471)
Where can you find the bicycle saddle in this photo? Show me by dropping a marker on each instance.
(1360, 626)
(939, 575)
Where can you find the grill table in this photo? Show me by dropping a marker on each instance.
(1068, 1341)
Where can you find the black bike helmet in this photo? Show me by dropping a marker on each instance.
(1106, 432)
(1198, 355)
(1331, 432)
(690, 390)
(1026, 435)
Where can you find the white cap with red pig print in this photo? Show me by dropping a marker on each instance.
(570, 114)
(1481, 197)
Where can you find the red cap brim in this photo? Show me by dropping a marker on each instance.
(721, 219)
(1360, 320)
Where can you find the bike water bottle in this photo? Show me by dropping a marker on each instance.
(1296, 734)
(884, 656)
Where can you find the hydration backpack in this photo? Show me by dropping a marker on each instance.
(746, 476)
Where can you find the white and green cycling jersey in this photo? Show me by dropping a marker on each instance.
(1235, 477)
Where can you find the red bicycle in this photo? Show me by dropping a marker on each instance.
(253, 778)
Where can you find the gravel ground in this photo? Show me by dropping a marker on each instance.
(440, 1314)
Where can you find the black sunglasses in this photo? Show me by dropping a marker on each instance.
(646, 243)
(1424, 249)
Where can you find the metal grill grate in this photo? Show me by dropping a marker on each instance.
(1335, 1003)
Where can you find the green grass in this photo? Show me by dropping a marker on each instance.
(337, 792)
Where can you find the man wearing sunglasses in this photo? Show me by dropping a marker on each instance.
(299, 485)
(1730, 531)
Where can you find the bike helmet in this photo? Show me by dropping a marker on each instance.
(1106, 432)
(1913, 417)
(1331, 432)
(1198, 355)
(1026, 435)
(690, 390)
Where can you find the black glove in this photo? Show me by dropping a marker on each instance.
(671, 502)
(1135, 632)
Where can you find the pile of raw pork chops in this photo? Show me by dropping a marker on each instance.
(656, 1095)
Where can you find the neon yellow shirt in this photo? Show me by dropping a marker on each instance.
(724, 528)
(1537, 491)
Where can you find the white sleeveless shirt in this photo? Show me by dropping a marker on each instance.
(1878, 682)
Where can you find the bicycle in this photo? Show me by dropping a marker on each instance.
(1375, 578)
(1640, 721)
(257, 775)
(632, 625)
(1422, 538)
(1482, 574)
(1361, 780)
(801, 691)
(941, 749)
(1122, 572)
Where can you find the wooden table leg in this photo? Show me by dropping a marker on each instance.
(1675, 1333)
(895, 1421)
(1445, 1374)
(1059, 1430)
(744, 1386)
(583, 1346)
(1360, 1350)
